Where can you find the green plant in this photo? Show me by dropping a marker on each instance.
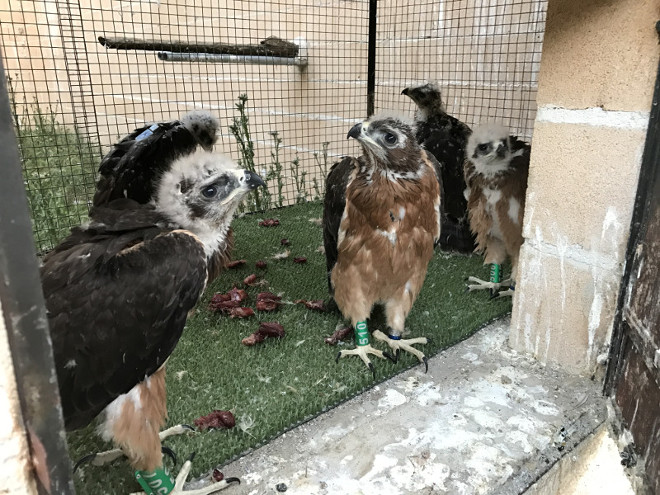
(322, 164)
(59, 168)
(260, 199)
(275, 170)
(299, 180)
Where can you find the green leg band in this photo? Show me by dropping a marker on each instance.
(495, 272)
(157, 482)
(361, 333)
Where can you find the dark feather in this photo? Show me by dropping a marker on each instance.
(117, 294)
(333, 207)
(135, 164)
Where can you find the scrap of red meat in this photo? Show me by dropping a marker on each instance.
(236, 263)
(266, 329)
(317, 304)
(269, 222)
(227, 302)
(250, 279)
(300, 259)
(261, 264)
(340, 334)
(267, 301)
(216, 419)
(241, 312)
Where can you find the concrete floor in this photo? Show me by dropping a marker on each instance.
(484, 419)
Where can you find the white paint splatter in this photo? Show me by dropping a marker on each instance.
(392, 399)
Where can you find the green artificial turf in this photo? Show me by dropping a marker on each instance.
(279, 383)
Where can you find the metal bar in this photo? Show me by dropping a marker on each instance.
(224, 58)
(649, 168)
(371, 58)
(25, 318)
(272, 46)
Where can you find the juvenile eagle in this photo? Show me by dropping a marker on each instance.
(381, 218)
(118, 291)
(496, 171)
(134, 165)
(445, 137)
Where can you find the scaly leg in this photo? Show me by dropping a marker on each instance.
(108, 456)
(363, 348)
(493, 284)
(159, 481)
(396, 311)
(398, 344)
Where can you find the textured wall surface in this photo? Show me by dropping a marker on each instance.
(595, 91)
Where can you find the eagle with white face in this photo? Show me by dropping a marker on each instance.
(135, 164)
(445, 137)
(381, 220)
(496, 170)
(118, 291)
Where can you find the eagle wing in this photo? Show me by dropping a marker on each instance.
(117, 302)
(134, 165)
(333, 207)
(445, 137)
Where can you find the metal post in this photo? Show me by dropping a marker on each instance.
(25, 318)
(371, 58)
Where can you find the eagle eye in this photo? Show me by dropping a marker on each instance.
(390, 138)
(210, 191)
(483, 147)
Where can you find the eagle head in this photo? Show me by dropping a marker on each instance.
(489, 149)
(388, 142)
(203, 126)
(201, 191)
(426, 96)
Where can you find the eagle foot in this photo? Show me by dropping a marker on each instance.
(207, 490)
(362, 352)
(506, 292)
(103, 458)
(398, 344)
(479, 284)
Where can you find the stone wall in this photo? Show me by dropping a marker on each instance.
(595, 88)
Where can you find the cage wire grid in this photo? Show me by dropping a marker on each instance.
(73, 98)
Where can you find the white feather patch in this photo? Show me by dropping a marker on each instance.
(514, 210)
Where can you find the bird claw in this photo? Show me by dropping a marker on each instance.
(362, 352)
(83, 460)
(168, 452)
(425, 360)
(398, 344)
(389, 356)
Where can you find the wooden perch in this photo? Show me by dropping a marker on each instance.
(271, 46)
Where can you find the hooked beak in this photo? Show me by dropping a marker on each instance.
(355, 131)
(405, 92)
(252, 180)
(501, 150)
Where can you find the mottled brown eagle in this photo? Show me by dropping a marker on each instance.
(118, 291)
(381, 219)
(496, 170)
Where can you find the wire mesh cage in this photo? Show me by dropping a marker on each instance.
(84, 73)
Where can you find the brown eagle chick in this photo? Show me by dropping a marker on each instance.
(496, 170)
(381, 220)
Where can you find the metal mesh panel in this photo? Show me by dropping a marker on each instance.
(74, 97)
(485, 55)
